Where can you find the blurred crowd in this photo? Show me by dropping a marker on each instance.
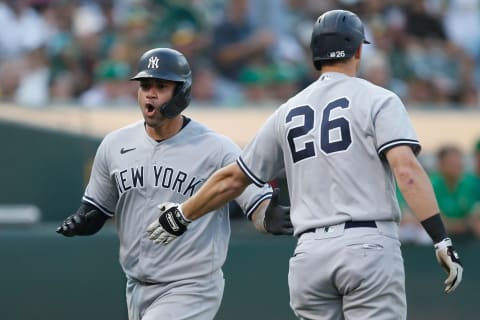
(82, 52)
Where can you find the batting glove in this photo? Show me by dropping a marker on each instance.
(277, 217)
(170, 225)
(448, 258)
(83, 222)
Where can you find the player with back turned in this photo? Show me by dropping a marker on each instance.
(166, 157)
(342, 142)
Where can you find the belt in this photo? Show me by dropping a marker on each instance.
(350, 224)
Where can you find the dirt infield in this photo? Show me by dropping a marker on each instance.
(433, 128)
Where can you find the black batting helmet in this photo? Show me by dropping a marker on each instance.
(168, 64)
(337, 34)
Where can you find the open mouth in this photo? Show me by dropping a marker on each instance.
(149, 109)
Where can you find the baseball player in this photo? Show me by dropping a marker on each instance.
(166, 158)
(342, 141)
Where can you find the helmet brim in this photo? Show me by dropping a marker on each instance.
(147, 74)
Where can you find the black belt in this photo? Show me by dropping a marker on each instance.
(350, 224)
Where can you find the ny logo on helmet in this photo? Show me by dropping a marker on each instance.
(153, 63)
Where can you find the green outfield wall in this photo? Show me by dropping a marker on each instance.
(44, 167)
(46, 276)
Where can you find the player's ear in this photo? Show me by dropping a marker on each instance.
(358, 53)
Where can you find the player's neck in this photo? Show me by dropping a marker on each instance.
(350, 69)
(167, 129)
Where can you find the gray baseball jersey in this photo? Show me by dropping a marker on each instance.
(132, 174)
(330, 140)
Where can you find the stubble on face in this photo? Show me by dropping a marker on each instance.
(152, 95)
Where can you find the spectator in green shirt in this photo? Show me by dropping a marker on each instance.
(455, 190)
(477, 168)
(475, 215)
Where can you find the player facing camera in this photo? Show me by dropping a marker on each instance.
(166, 64)
(149, 162)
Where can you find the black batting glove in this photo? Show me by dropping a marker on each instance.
(83, 223)
(170, 225)
(277, 217)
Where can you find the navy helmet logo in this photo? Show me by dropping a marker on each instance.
(153, 63)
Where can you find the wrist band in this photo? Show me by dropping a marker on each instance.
(435, 228)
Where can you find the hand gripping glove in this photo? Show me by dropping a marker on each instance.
(86, 221)
(448, 258)
(170, 225)
(277, 217)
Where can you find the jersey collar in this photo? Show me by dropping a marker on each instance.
(332, 75)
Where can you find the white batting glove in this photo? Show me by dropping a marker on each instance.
(448, 258)
(170, 225)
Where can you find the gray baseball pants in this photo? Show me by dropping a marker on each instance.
(352, 274)
(189, 299)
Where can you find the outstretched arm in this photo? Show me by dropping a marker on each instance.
(223, 186)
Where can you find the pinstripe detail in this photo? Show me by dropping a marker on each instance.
(249, 173)
(255, 205)
(393, 143)
(101, 208)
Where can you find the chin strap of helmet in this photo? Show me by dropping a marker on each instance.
(181, 99)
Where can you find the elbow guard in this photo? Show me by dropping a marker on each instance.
(86, 221)
(94, 219)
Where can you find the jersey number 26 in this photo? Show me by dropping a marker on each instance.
(326, 127)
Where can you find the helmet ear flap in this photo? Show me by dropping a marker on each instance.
(180, 100)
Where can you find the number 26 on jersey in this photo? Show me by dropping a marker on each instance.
(334, 135)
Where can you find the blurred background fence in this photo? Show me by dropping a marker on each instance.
(47, 154)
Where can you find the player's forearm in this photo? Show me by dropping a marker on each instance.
(258, 216)
(418, 193)
(222, 187)
(416, 188)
